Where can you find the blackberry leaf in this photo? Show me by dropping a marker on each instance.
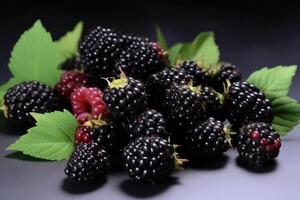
(173, 52)
(36, 57)
(274, 82)
(10, 83)
(51, 138)
(287, 114)
(68, 44)
(161, 38)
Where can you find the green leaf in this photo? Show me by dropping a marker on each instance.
(68, 44)
(36, 57)
(161, 38)
(203, 49)
(287, 114)
(274, 82)
(173, 52)
(3, 88)
(51, 138)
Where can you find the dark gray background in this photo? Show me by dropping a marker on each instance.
(250, 35)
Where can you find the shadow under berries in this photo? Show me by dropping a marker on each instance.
(73, 187)
(12, 128)
(214, 163)
(268, 167)
(146, 190)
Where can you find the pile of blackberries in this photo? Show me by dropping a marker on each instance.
(131, 103)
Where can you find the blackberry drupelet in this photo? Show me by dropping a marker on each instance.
(141, 60)
(125, 98)
(88, 164)
(158, 83)
(98, 52)
(27, 97)
(72, 64)
(245, 103)
(184, 106)
(207, 139)
(131, 42)
(150, 158)
(150, 122)
(200, 76)
(258, 143)
(223, 72)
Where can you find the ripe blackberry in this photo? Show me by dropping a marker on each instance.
(88, 164)
(108, 134)
(150, 122)
(150, 158)
(87, 104)
(158, 83)
(186, 105)
(223, 72)
(130, 41)
(27, 97)
(82, 135)
(125, 98)
(72, 64)
(141, 61)
(245, 103)
(207, 139)
(258, 143)
(200, 76)
(69, 81)
(98, 52)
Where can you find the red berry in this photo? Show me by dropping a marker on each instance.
(264, 141)
(82, 135)
(255, 135)
(87, 104)
(69, 81)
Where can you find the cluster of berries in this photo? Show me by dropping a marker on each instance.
(129, 101)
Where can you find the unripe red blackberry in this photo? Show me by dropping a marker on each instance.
(245, 103)
(150, 122)
(200, 76)
(258, 143)
(88, 164)
(222, 73)
(125, 98)
(27, 97)
(207, 139)
(141, 61)
(150, 158)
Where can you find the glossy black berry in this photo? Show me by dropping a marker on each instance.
(258, 143)
(245, 103)
(88, 164)
(149, 158)
(72, 64)
(207, 139)
(150, 122)
(125, 98)
(27, 97)
(132, 42)
(200, 76)
(98, 53)
(158, 83)
(141, 60)
(223, 73)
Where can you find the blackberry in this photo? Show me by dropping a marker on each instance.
(148, 123)
(258, 143)
(88, 164)
(27, 97)
(207, 139)
(184, 106)
(200, 76)
(150, 158)
(130, 41)
(72, 64)
(108, 134)
(141, 60)
(98, 52)
(69, 81)
(245, 103)
(125, 98)
(158, 83)
(223, 72)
